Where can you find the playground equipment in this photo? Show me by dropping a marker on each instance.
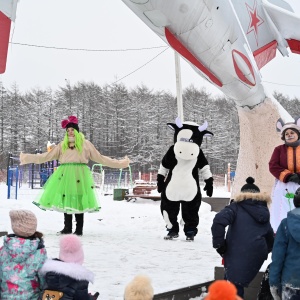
(38, 174)
(98, 176)
(120, 193)
(14, 176)
(12, 181)
(130, 178)
(107, 179)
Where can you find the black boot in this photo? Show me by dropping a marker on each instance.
(79, 224)
(171, 235)
(68, 225)
(190, 235)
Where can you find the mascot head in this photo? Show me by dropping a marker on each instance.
(188, 138)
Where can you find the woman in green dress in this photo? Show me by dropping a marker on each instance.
(70, 189)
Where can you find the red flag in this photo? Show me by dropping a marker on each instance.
(5, 24)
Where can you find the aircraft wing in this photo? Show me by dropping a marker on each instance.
(209, 36)
(226, 42)
(7, 15)
(287, 24)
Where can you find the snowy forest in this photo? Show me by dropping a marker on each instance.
(120, 121)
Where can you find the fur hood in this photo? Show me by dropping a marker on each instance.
(264, 197)
(72, 270)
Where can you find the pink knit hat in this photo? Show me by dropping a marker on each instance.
(71, 249)
(23, 222)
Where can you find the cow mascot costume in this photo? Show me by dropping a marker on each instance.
(178, 178)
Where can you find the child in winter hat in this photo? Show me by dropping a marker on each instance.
(284, 276)
(22, 255)
(243, 224)
(222, 290)
(65, 277)
(250, 187)
(71, 249)
(23, 222)
(139, 288)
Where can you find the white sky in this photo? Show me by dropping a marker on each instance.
(107, 25)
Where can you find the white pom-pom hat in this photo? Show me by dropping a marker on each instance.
(140, 288)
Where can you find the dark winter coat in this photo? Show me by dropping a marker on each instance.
(285, 266)
(249, 238)
(69, 278)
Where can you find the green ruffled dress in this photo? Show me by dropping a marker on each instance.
(70, 189)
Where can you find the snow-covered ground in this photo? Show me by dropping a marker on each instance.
(125, 239)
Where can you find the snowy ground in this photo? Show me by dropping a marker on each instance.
(125, 239)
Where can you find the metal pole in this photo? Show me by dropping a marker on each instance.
(228, 177)
(120, 176)
(130, 176)
(32, 175)
(17, 181)
(8, 183)
(178, 86)
(8, 165)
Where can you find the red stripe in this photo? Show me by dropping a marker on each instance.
(239, 72)
(181, 49)
(265, 54)
(294, 46)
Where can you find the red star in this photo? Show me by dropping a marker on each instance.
(255, 20)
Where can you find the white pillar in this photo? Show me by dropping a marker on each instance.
(178, 86)
(258, 138)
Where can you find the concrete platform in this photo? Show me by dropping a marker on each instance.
(250, 292)
(184, 293)
(196, 290)
(129, 197)
(217, 204)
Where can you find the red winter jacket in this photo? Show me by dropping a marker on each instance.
(284, 162)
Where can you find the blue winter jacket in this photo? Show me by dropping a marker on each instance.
(249, 237)
(285, 266)
(20, 261)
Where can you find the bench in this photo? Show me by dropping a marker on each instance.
(143, 191)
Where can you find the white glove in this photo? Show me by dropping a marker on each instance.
(274, 292)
